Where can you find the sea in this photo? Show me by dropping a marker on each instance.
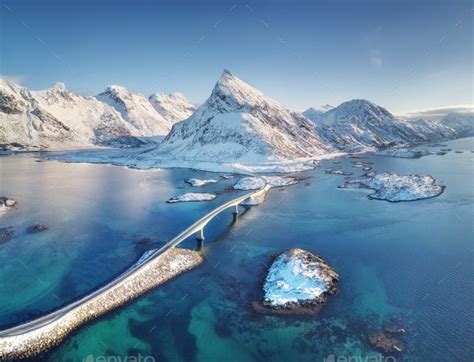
(408, 264)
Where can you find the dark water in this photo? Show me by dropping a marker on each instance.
(406, 262)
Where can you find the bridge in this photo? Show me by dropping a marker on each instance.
(197, 227)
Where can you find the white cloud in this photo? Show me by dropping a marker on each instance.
(17, 79)
(437, 113)
(376, 58)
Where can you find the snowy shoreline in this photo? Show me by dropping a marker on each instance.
(136, 159)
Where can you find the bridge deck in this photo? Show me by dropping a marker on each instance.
(197, 226)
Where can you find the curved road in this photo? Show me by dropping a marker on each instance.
(194, 228)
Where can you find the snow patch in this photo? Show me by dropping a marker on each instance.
(198, 183)
(192, 197)
(404, 153)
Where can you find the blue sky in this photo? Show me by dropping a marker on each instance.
(404, 55)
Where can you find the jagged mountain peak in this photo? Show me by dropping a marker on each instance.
(238, 122)
(175, 96)
(315, 113)
(230, 92)
(320, 109)
(362, 104)
(173, 107)
(56, 94)
(116, 89)
(59, 87)
(461, 123)
(357, 111)
(6, 83)
(136, 109)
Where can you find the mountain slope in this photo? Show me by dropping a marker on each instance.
(24, 122)
(56, 118)
(239, 123)
(315, 114)
(137, 110)
(359, 123)
(173, 107)
(462, 124)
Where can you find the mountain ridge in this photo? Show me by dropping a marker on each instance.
(237, 122)
(56, 118)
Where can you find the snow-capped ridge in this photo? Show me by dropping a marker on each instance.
(174, 107)
(137, 110)
(238, 122)
(314, 114)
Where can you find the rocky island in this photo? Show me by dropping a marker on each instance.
(6, 203)
(388, 340)
(395, 188)
(404, 153)
(192, 197)
(195, 182)
(337, 171)
(298, 281)
(255, 183)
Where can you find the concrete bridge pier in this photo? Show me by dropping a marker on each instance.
(201, 235)
(199, 244)
(200, 240)
(235, 213)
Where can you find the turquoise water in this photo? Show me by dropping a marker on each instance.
(409, 262)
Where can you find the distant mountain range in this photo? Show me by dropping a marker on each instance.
(56, 118)
(358, 124)
(236, 123)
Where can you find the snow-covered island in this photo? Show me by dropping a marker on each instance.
(192, 197)
(337, 171)
(404, 153)
(298, 281)
(395, 188)
(198, 182)
(6, 203)
(255, 183)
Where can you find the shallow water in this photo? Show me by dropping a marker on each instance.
(411, 262)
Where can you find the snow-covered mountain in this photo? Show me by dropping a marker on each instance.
(173, 107)
(429, 131)
(239, 123)
(56, 118)
(461, 123)
(358, 124)
(314, 114)
(137, 110)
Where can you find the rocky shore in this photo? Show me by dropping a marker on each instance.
(36, 337)
(388, 340)
(6, 203)
(396, 188)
